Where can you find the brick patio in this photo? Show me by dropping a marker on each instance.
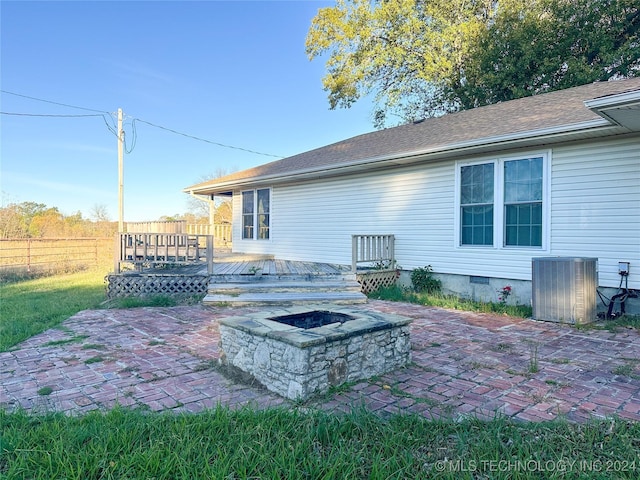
(464, 364)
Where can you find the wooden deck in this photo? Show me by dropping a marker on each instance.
(227, 263)
(276, 267)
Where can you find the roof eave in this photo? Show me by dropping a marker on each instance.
(501, 142)
(617, 100)
(610, 106)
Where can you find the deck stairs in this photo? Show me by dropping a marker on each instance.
(290, 284)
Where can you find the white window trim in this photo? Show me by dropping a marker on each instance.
(498, 202)
(255, 215)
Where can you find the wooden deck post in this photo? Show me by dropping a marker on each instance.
(354, 253)
(210, 254)
(117, 253)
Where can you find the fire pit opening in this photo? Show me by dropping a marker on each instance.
(313, 319)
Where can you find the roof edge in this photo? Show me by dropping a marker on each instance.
(614, 100)
(467, 147)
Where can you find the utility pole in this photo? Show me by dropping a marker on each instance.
(120, 173)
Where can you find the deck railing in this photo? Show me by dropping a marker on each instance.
(221, 233)
(378, 250)
(159, 226)
(163, 248)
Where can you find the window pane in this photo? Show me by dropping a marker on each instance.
(511, 216)
(523, 180)
(247, 202)
(476, 184)
(263, 224)
(247, 226)
(466, 236)
(536, 214)
(536, 236)
(477, 225)
(263, 201)
(523, 225)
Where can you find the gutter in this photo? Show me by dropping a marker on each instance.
(602, 105)
(617, 100)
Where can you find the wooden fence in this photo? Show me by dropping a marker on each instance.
(45, 254)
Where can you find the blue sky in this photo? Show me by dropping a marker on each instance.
(231, 72)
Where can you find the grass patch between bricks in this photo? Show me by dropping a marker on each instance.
(297, 444)
(66, 341)
(44, 391)
(96, 359)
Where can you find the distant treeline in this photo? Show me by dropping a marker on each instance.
(37, 220)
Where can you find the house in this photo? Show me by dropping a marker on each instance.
(475, 194)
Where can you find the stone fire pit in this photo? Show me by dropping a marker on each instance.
(303, 350)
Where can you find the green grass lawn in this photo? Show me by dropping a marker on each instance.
(29, 307)
(279, 444)
(396, 293)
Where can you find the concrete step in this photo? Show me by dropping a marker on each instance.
(288, 298)
(316, 278)
(255, 287)
(283, 289)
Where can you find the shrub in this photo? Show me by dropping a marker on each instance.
(424, 281)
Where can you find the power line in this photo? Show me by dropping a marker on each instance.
(51, 115)
(54, 103)
(103, 114)
(205, 140)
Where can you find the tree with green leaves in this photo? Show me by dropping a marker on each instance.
(422, 58)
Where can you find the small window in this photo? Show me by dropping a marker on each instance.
(256, 210)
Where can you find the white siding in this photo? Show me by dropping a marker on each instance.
(596, 206)
(595, 211)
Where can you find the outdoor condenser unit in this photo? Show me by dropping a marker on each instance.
(564, 289)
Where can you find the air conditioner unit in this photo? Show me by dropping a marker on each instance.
(564, 289)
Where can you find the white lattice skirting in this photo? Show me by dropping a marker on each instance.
(138, 285)
(372, 280)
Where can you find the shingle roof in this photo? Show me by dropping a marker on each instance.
(558, 109)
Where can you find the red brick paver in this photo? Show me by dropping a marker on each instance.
(464, 364)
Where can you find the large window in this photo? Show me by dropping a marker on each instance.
(263, 213)
(247, 214)
(502, 199)
(476, 204)
(523, 202)
(256, 211)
